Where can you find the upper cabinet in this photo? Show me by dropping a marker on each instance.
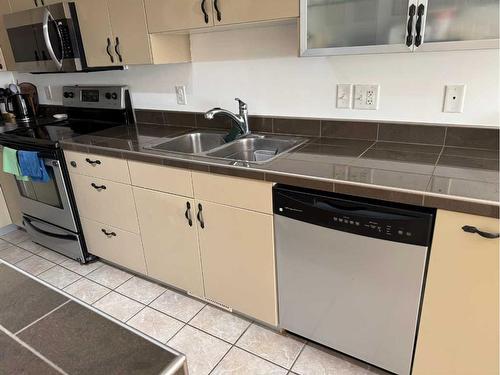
(171, 15)
(174, 15)
(329, 27)
(20, 5)
(114, 32)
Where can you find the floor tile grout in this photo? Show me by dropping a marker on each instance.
(32, 350)
(42, 317)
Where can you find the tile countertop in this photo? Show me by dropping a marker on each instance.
(452, 178)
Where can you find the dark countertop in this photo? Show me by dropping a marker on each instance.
(452, 178)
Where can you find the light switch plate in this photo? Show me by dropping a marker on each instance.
(180, 92)
(344, 95)
(366, 96)
(454, 98)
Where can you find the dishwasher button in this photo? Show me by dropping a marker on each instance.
(400, 232)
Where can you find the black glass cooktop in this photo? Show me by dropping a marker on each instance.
(51, 134)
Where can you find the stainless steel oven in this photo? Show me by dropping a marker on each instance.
(48, 200)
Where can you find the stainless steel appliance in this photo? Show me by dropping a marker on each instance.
(47, 39)
(50, 214)
(351, 273)
(21, 106)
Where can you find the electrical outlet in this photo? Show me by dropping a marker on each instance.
(366, 96)
(344, 95)
(454, 98)
(48, 92)
(180, 92)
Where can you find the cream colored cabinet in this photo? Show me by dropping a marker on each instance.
(20, 5)
(169, 238)
(105, 167)
(116, 245)
(172, 15)
(4, 38)
(459, 327)
(114, 32)
(241, 11)
(4, 211)
(237, 251)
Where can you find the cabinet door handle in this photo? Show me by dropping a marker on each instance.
(108, 46)
(219, 14)
(117, 49)
(43, 2)
(409, 27)
(471, 229)
(36, 2)
(200, 216)
(188, 214)
(93, 162)
(98, 187)
(108, 234)
(205, 14)
(418, 25)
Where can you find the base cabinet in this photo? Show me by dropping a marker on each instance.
(170, 240)
(237, 251)
(459, 328)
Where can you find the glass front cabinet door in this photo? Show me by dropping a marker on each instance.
(342, 27)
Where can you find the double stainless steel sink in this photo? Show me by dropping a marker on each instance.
(253, 148)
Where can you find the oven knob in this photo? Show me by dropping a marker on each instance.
(66, 94)
(114, 96)
(73, 164)
(107, 95)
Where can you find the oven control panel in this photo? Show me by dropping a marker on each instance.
(105, 97)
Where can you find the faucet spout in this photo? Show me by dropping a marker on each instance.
(240, 120)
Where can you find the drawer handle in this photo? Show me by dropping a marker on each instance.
(188, 214)
(108, 234)
(471, 229)
(97, 187)
(200, 216)
(93, 162)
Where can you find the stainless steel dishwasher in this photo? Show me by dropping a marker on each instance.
(351, 273)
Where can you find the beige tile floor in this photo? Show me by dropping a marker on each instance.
(214, 341)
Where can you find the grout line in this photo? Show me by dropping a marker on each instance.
(298, 356)
(42, 317)
(32, 350)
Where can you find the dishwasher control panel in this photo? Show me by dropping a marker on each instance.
(366, 217)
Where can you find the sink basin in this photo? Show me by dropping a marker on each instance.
(192, 143)
(257, 149)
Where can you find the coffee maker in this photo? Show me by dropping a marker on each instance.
(20, 105)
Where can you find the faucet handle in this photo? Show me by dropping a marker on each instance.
(242, 104)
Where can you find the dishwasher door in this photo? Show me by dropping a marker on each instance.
(356, 294)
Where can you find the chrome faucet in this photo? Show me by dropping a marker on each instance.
(241, 120)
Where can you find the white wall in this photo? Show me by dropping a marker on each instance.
(261, 66)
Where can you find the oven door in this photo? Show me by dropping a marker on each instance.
(48, 201)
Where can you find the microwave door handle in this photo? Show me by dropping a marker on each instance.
(47, 17)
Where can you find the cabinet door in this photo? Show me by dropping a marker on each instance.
(97, 37)
(237, 252)
(354, 26)
(459, 323)
(11, 194)
(4, 38)
(460, 24)
(169, 15)
(20, 5)
(239, 11)
(131, 39)
(170, 243)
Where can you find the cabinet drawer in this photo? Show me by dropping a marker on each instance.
(105, 201)
(156, 177)
(98, 166)
(116, 245)
(236, 192)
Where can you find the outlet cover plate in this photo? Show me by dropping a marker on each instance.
(366, 96)
(344, 95)
(454, 98)
(180, 92)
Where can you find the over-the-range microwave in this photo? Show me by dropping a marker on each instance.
(47, 39)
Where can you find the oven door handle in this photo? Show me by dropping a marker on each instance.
(27, 222)
(47, 17)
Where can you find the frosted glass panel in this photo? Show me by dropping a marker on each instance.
(458, 20)
(351, 23)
